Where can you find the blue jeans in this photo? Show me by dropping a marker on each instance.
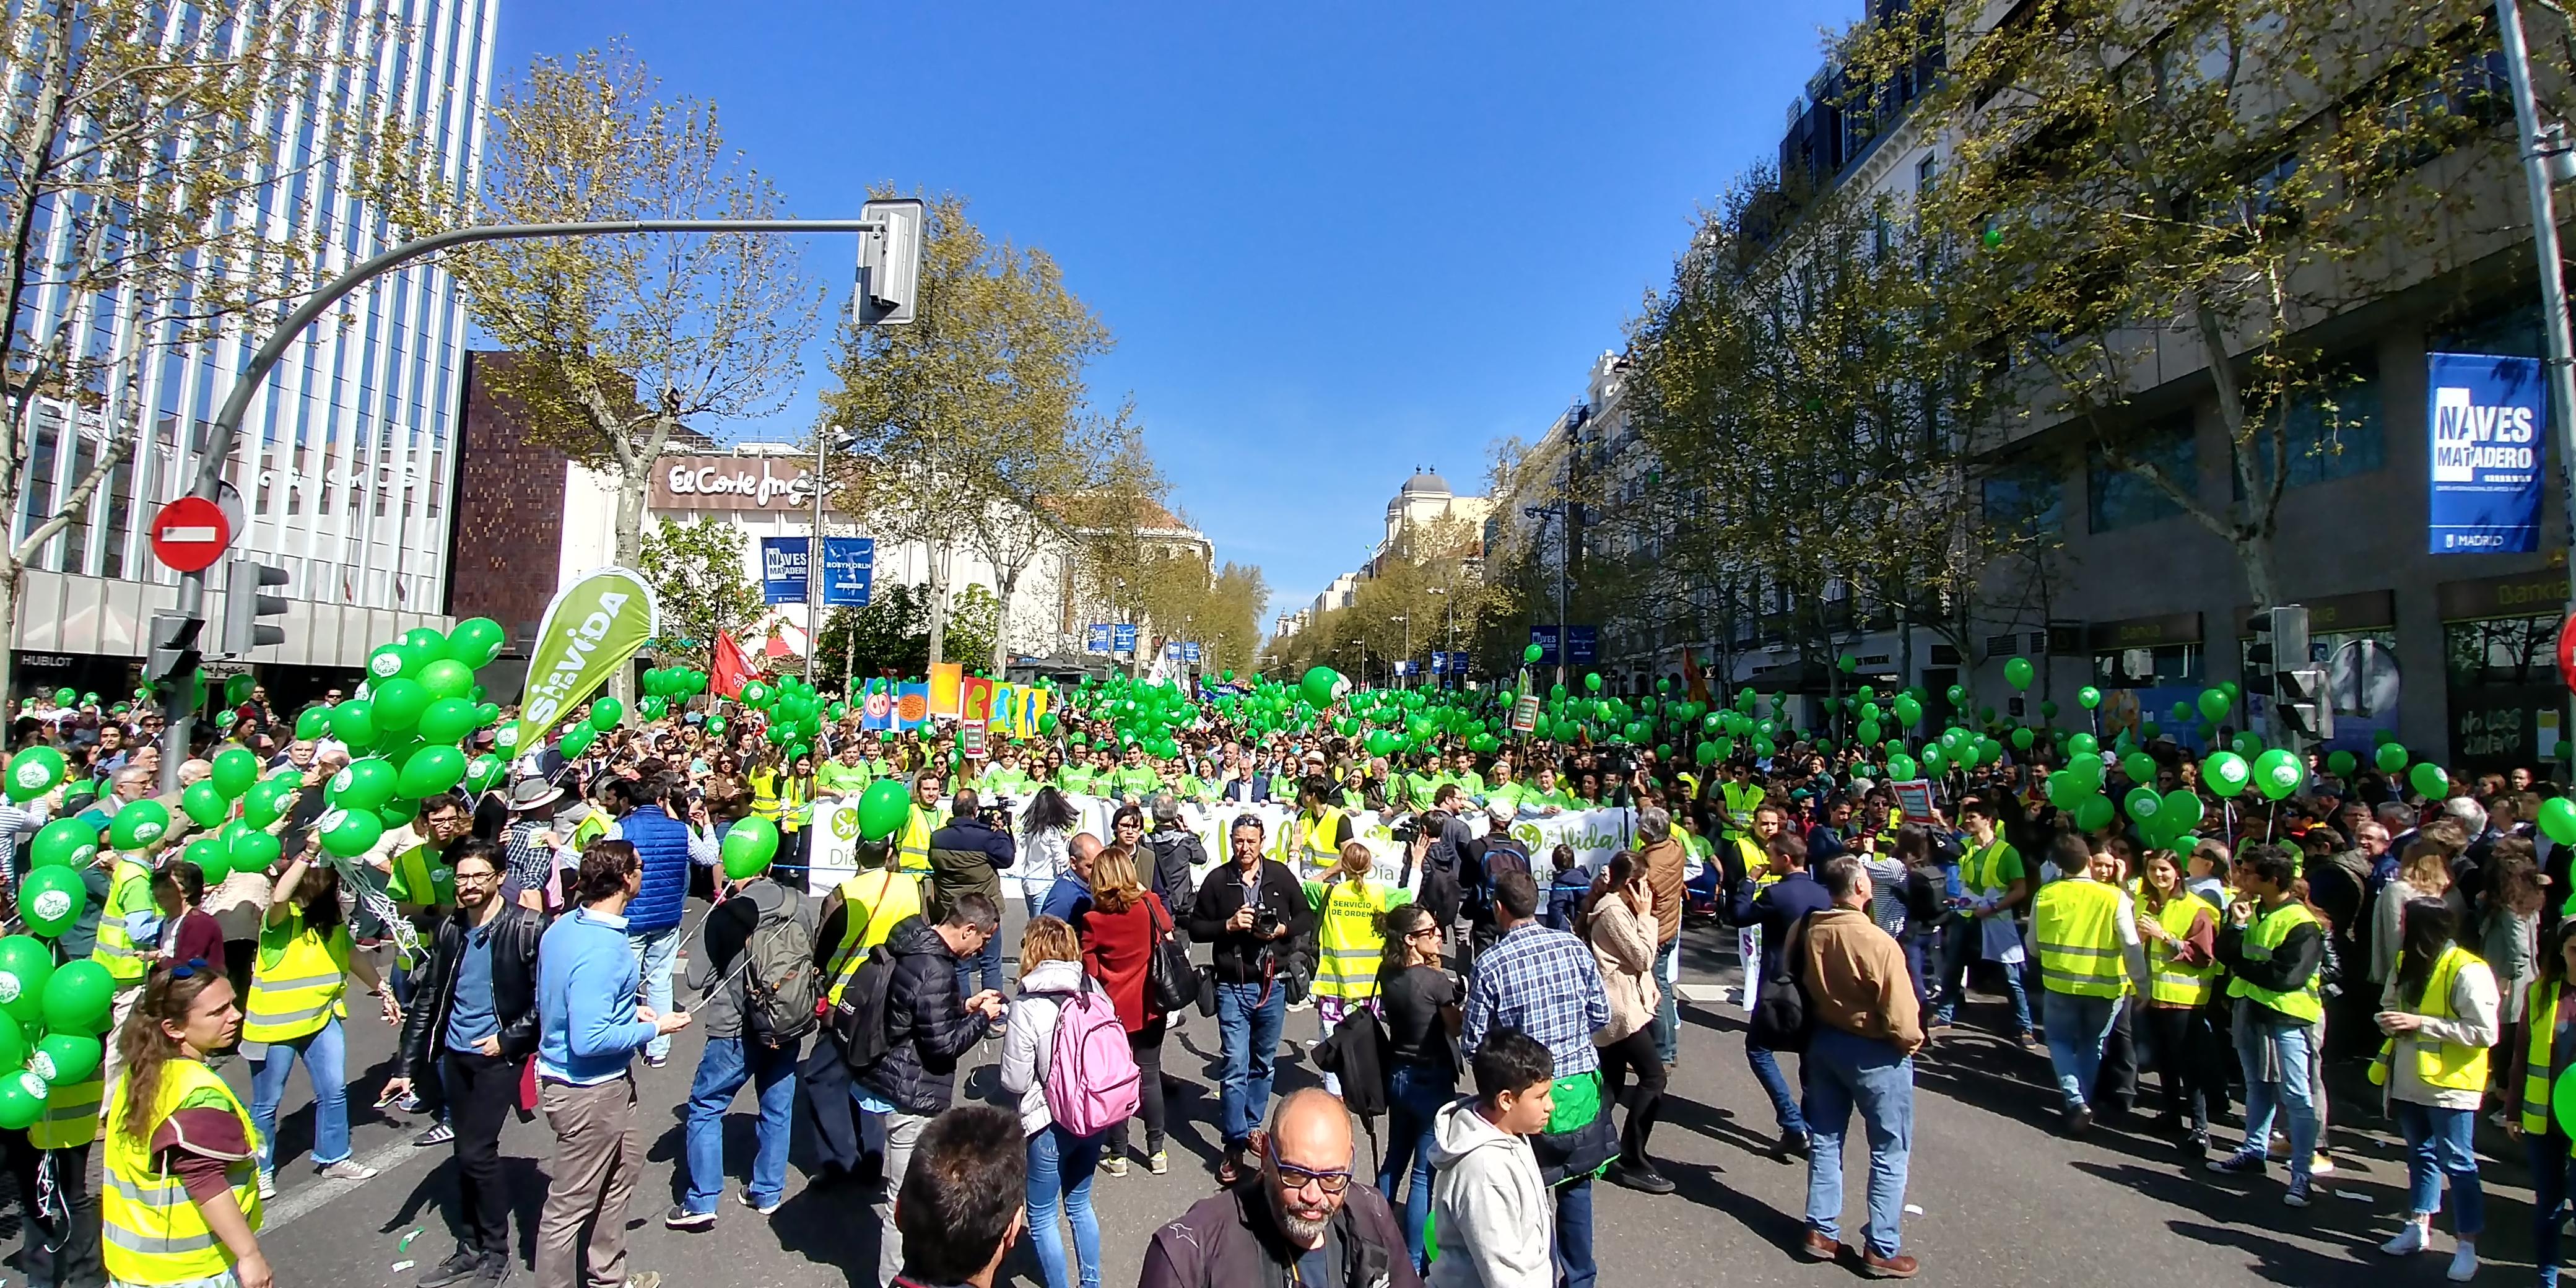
(1668, 1010)
(2077, 1027)
(325, 1053)
(1963, 941)
(1420, 1091)
(2289, 1048)
(1061, 1166)
(1249, 1030)
(2549, 1188)
(1784, 1106)
(1922, 946)
(656, 952)
(1574, 1234)
(2439, 1144)
(1845, 1071)
(723, 1067)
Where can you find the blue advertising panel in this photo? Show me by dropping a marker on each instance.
(1098, 638)
(849, 571)
(1190, 652)
(782, 569)
(1585, 641)
(2486, 416)
(1545, 638)
(1123, 638)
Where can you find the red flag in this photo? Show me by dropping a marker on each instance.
(731, 669)
(1694, 683)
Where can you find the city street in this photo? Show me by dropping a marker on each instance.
(2002, 1199)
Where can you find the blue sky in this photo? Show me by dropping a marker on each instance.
(1335, 240)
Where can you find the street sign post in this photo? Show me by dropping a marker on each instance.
(190, 534)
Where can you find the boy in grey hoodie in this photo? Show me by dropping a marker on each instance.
(1491, 1215)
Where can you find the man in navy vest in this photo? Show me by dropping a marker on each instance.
(667, 847)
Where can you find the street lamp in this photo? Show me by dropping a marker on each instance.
(1564, 640)
(1449, 609)
(816, 579)
(1408, 639)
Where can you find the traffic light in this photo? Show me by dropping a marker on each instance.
(244, 606)
(174, 648)
(2261, 656)
(2298, 686)
(889, 263)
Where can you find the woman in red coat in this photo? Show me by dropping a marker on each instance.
(1119, 932)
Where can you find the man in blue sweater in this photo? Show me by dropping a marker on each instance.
(1777, 906)
(591, 1026)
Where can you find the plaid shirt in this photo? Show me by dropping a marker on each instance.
(1544, 983)
(532, 862)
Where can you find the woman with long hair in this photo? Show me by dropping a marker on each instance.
(2533, 1068)
(1047, 835)
(1060, 1163)
(298, 989)
(2509, 927)
(182, 1200)
(1619, 923)
(727, 792)
(1121, 929)
(2439, 1011)
(2423, 872)
(1420, 999)
(2181, 933)
(1351, 937)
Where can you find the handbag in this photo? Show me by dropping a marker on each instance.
(1168, 971)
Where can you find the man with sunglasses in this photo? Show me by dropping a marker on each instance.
(474, 1021)
(1307, 1223)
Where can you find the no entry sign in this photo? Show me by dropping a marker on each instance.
(190, 534)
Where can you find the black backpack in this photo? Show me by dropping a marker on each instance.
(858, 1020)
(1781, 1019)
(1923, 891)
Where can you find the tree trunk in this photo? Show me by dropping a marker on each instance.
(1010, 579)
(11, 571)
(628, 551)
(938, 600)
(2254, 556)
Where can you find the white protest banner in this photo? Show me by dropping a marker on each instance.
(1595, 834)
(834, 857)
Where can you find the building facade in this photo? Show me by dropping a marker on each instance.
(345, 466)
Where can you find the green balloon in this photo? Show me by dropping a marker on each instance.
(2143, 804)
(2278, 773)
(2093, 813)
(2429, 780)
(883, 807)
(2018, 673)
(449, 719)
(25, 965)
(475, 642)
(138, 824)
(447, 678)
(77, 998)
(34, 772)
(65, 843)
(2139, 766)
(354, 722)
(22, 1099)
(236, 768)
(264, 804)
(2225, 772)
(253, 852)
(204, 803)
(399, 704)
(349, 832)
(13, 1045)
(748, 846)
(1320, 685)
(2182, 811)
(385, 662)
(579, 740)
(2390, 757)
(430, 772)
(2088, 697)
(51, 899)
(64, 1058)
(2562, 1101)
(313, 722)
(2342, 763)
(364, 784)
(605, 713)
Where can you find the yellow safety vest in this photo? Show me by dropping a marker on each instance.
(2169, 981)
(866, 924)
(418, 877)
(302, 987)
(2542, 1016)
(1316, 854)
(1741, 800)
(2076, 923)
(1757, 864)
(1351, 937)
(152, 1232)
(916, 842)
(2451, 1066)
(71, 1112)
(1978, 871)
(129, 891)
(2306, 1005)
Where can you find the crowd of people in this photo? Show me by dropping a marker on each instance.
(536, 936)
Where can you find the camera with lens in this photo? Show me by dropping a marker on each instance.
(1410, 828)
(1266, 922)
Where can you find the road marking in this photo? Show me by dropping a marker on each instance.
(304, 1200)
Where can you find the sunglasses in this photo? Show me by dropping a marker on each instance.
(1298, 1178)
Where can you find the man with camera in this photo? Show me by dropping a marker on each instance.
(966, 857)
(1248, 912)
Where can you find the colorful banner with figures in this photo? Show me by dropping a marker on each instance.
(590, 629)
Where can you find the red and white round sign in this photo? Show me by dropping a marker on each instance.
(190, 534)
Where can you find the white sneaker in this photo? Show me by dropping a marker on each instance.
(268, 1185)
(2464, 1263)
(2410, 1239)
(347, 1169)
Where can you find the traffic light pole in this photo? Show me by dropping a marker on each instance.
(177, 708)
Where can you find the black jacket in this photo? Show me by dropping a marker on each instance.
(927, 1023)
(1177, 855)
(1231, 1240)
(515, 932)
(1238, 956)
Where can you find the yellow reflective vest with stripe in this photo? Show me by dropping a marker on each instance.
(915, 844)
(300, 981)
(129, 891)
(71, 1111)
(2170, 982)
(151, 1231)
(1307, 847)
(1350, 934)
(1741, 800)
(2305, 1003)
(2450, 1066)
(873, 903)
(2542, 1017)
(2077, 926)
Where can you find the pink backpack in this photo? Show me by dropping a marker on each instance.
(1091, 1080)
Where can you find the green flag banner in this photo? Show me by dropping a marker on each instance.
(590, 629)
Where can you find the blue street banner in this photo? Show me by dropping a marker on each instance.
(1123, 638)
(1190, 653)
(782, 569)
(849, 571)
(1546, 639)
(1583, 643)
(1097, 641)
(1172, 650)
(2487, 417)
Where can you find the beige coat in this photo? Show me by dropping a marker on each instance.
(1624, 948)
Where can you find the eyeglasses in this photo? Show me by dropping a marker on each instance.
(1432, 932)
(1298, 1178)
(486, 875)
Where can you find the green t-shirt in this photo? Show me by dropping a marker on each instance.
(832, 778)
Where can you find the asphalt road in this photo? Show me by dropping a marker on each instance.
(2003, 1200)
